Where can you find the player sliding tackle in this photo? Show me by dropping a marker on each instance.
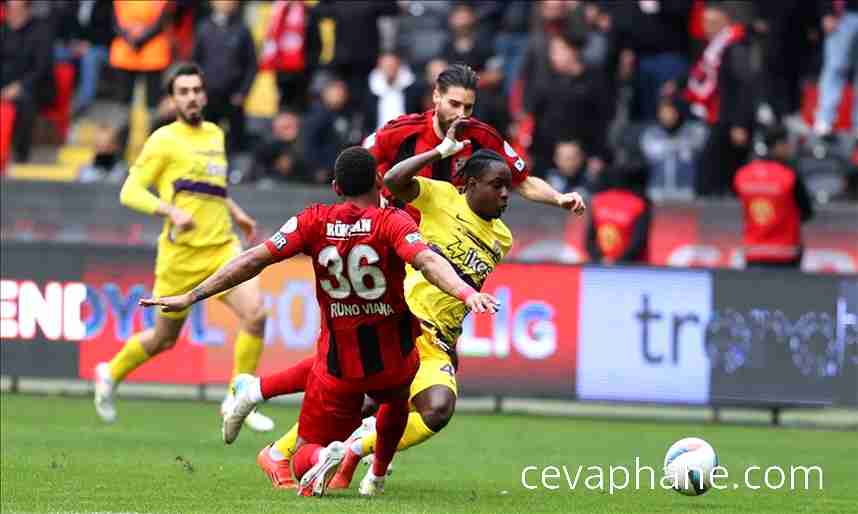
(465, 228)
(366, 345)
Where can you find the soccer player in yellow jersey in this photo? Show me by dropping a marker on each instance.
(186, 163)
(466, 229)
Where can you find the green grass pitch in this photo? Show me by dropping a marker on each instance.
(167, 457)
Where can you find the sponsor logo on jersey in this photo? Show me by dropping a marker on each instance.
(339, 230)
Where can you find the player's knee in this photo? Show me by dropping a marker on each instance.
(438, 412)
(254, 322)
(164, 343)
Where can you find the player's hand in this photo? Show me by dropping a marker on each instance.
(247, 226)
(482, 302)
(451, 145)
(168, 303)
(11, 91)
(573, 202)
(181, 220)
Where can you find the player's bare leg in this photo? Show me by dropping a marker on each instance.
(139, 348)
(245, 300)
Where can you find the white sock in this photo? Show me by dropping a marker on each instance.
(275, 454)
(357, 447)
(255, 391)
(371, 476)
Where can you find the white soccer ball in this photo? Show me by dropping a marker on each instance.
(688, 466)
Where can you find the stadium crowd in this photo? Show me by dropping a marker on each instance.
(687, 87)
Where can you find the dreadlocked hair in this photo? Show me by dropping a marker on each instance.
(477, 163)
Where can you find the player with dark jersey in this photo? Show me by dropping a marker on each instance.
(367, 341)
(454, 97)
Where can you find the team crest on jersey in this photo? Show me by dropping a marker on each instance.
(413, 237)
(216, 170)
(338, 230)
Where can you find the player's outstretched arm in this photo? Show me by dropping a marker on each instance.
(240, 269)
(537, 190)
(440, 273)
(400, 179)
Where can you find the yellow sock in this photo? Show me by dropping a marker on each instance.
(416, 432)
(286, 444)
(129, 358)
(248, 348)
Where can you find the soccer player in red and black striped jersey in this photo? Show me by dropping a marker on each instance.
(454, 97)
(367, 341)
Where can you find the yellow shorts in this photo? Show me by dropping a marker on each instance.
(180, 268)
(436, 367)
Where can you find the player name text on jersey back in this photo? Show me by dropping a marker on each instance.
(349, 309)
(339, 230)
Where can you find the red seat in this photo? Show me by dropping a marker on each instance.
(810, 100)
(7, 122)
(59, 113)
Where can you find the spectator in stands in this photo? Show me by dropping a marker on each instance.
(775, 203)
(569, 20)
(721, 91)
(357, 42)
(141, 47)
(280, 158)
(510, 43)
(671, 148)
(425, 85)
(291, 48)
(655, 35)
(840, 23)
(107, 163)
(422, 30)
(491, 106)
(573, 102)
(95, 32)
(26, 71)
(392, 92)
(785, 27)
(225, 51)
(620, 215)
(331, 126)
(570, 168)
(463, 44)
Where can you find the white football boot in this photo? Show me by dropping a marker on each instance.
(315, 480)
(371, 485)
(104, 390)
(238, 408)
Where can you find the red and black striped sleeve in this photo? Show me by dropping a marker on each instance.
(486, 136)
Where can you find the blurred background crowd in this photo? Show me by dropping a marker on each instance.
(691, 87)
